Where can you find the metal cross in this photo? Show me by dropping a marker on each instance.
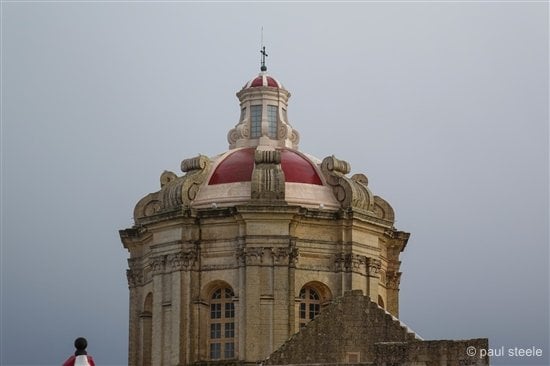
(264, 55)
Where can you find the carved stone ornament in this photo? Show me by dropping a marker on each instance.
(182, 260)
(383, 210)
(184, 189)
(268, 178)
(285, 255)
(175, 191)
(373, 266)
(339, 262)
(135, 277)
(350, 192)
(158, 264)
(152, 207)
(254, 255)
(293, 256)
(392, 280)
(196, 170)
(284, 131)
(239, 132)
(295, 137)
(350, 263)
(167, 177)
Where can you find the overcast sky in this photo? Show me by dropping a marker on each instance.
(443, 105)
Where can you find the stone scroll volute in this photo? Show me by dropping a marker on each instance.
(350, 192)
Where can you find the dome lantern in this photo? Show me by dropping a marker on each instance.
(264, 119)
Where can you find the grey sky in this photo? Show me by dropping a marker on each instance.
(444, 106)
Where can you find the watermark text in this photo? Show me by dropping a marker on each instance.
(504, 352)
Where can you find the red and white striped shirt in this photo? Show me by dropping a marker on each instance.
(81, 360)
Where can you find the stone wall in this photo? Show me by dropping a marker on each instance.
(356, 330)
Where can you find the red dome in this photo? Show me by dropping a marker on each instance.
(238, 166)
(263, 80)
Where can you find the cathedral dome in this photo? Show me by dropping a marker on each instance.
(237, 166)
(263, 165)
(236, 175)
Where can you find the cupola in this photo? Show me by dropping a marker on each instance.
(264, 119)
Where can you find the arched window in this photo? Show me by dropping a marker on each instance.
(221, 336)
(310, 305)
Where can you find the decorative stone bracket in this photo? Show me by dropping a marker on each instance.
(287, 132)
(175, 191)
(239, 132)
(350, 192)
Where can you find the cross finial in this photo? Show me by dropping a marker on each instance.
(264, 55)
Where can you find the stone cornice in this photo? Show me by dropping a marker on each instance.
(134, 236)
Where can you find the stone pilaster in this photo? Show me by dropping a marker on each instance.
(176, 319)
(373, 277)
(156, 352)
(392, 290)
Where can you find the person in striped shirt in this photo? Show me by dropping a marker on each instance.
(80, 357)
